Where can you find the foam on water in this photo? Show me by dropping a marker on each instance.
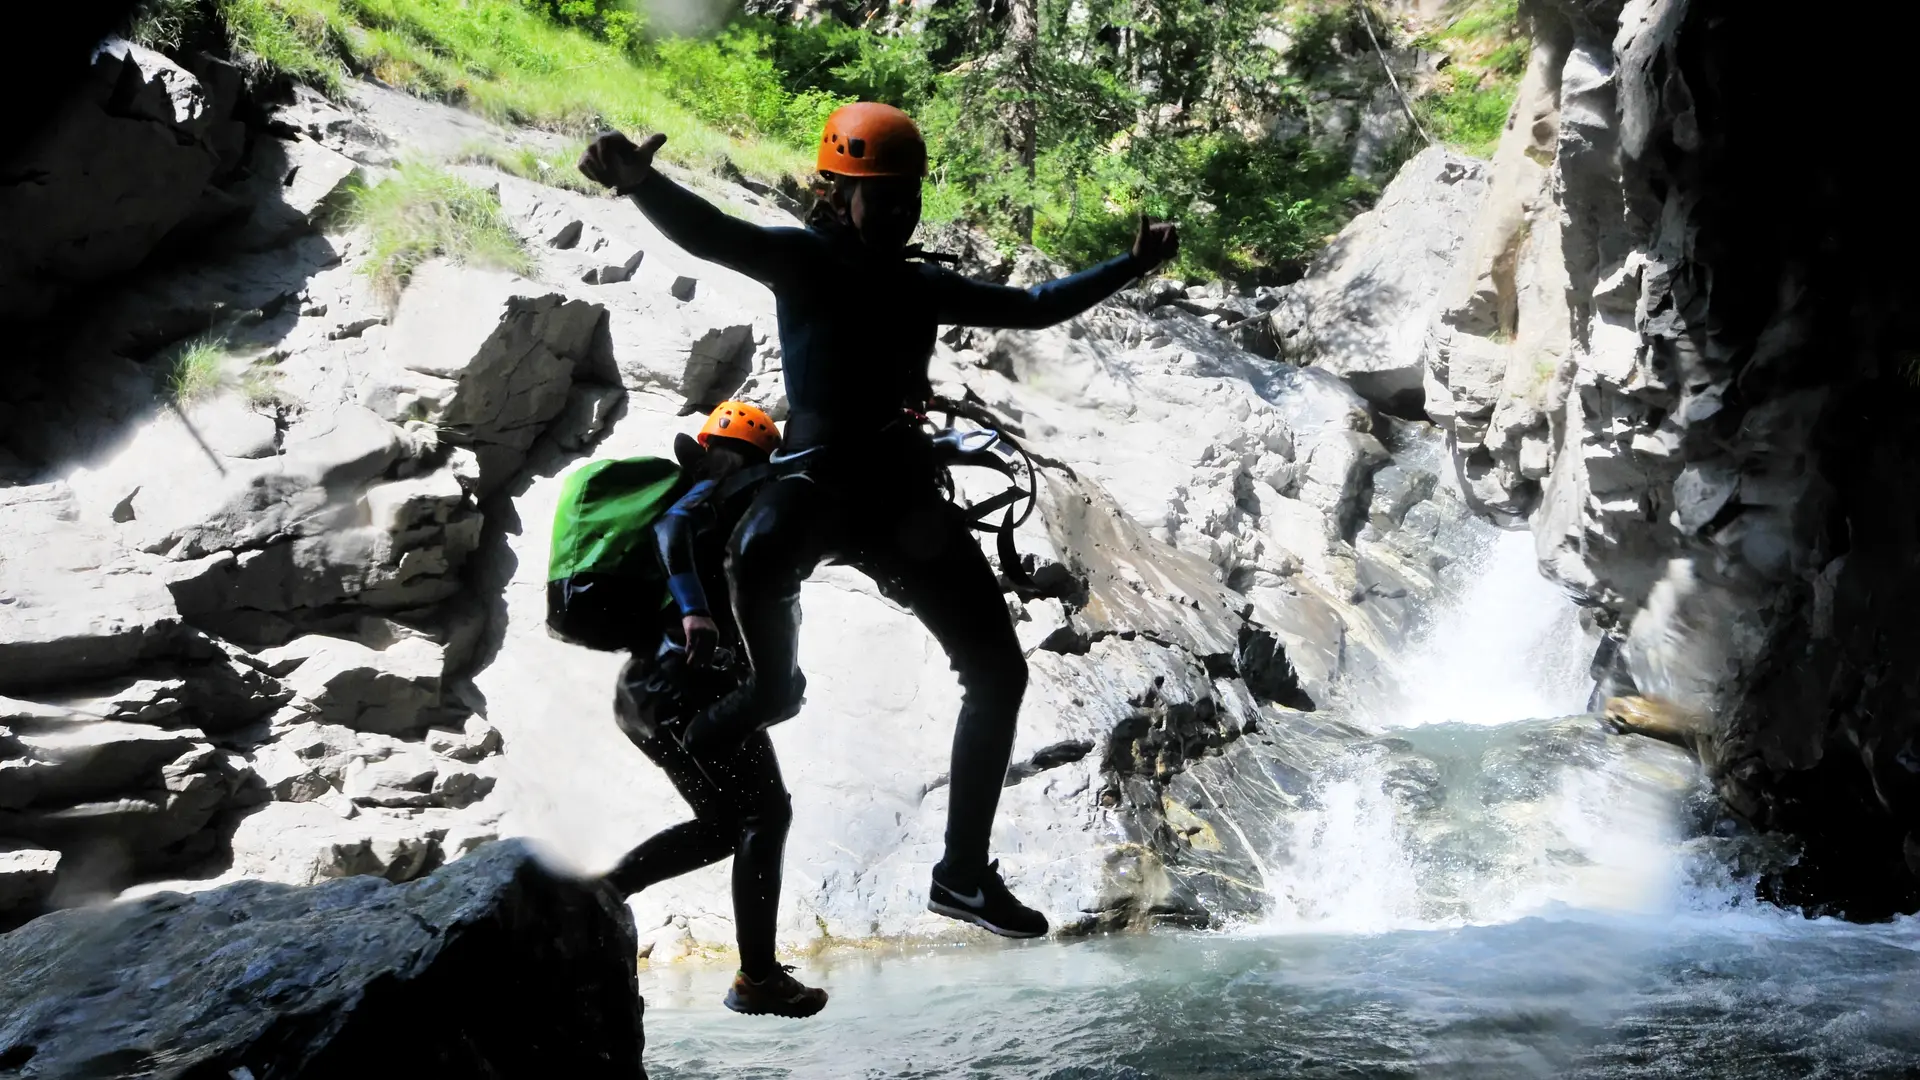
(1507, 646)
(1475, 807)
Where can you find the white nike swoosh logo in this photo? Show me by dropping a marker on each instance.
(978, 898)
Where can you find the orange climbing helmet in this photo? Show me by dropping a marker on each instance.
(739, 420)
(867, 138)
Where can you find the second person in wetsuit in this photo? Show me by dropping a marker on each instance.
(858, 312)
(683, 659)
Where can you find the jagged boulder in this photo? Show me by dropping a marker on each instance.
(493, 966)
(27, 876)
(76, 604)
(1363, 309)
(108, 180)
(487, 358)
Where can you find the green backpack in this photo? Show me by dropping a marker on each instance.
(605, 585)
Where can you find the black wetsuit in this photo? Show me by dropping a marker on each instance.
(740, 805)
(856, 333)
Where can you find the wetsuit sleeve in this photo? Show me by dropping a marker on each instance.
(674, 534)
(707, 232)
(964, 302)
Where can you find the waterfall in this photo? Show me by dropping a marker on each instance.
(1506, 646)
(1483, 797)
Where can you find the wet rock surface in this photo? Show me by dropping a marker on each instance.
(1686, 376)
(491, 967)
(310, 640)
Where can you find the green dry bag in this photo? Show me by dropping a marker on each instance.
(605, 586)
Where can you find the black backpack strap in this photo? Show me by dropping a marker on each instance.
(749, 477)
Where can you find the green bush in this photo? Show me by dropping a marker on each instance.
(1139, 107)
(421, 212)
(1471, 118)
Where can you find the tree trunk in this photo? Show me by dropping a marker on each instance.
(1023, 43)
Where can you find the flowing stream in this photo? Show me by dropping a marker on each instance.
(1481, 890)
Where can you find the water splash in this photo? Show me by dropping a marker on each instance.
(1509, 646)
(1474, 805)
(1457, 825)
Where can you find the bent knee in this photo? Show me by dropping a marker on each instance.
(771, 816)
(997, 673)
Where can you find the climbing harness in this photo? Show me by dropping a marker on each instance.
(987, 445)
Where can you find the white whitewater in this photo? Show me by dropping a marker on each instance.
(1480, 891)
(1476, 806)
(1507, 646)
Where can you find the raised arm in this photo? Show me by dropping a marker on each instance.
(704, 230)
(966, 302)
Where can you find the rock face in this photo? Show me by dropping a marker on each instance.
(492, 967)
(294, 630)
(1679, 351)
(257, 596)
(1362, 310)
(147, 153)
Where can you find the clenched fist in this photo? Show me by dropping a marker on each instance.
(616, 161)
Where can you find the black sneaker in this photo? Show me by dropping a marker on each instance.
(779, 994)
(987, 904)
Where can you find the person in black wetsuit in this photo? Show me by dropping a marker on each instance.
(857, 312)
(740, 805)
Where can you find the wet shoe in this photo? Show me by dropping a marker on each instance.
(986, 904)
(779, 994)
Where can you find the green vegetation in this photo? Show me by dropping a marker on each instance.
(271, 39)
(198, 370)
(509, 61)
(554, 169)
(420, 212)
(1055, 121)
(1469, 107)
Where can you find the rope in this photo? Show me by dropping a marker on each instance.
(1367, 21)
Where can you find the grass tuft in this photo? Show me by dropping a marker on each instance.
(421, 212)
(261, 386)
(198, 370)
(284, 38)
(1468, 106)
(551, 169)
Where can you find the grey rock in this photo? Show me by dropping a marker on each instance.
(28, 874)
(614, 273)
(386, 687)
(717, 364)
(78, 606)
(492, 966)
(1363, 308)
(491, 366)
(124, 163)
(303, 843)
(292, 183)
(683, 288)
(589, 409)
(478, 740)
(567, 235)
(82, 761)
(1700, 491)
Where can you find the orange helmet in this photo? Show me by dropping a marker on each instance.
(739, 420)
(871, 139)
